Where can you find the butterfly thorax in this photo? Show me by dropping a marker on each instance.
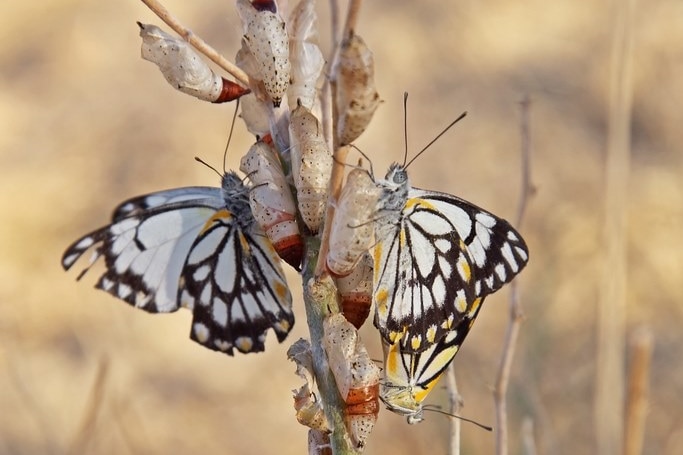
(401, 400)
(236, 197)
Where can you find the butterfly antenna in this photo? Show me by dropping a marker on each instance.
(464, 419)
(232, 127)
(196, 158)
(405, 129)
(372, 172)
(460, 117)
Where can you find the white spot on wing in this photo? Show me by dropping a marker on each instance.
(506, 251)
(220, 312)
(500, 271)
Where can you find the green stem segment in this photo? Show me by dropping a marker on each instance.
(320, 298)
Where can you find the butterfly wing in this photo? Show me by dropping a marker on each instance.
(410, 376)
(234, 283)
(144, 251)
(157, 247)
(497, 251)
(432, 265)
(138, 205)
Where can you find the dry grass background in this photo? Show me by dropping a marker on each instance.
(85, 123)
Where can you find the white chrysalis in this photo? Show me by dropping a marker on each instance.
(306, 59)
(357, 98)
(265, 35)
(356, 375)
(311, 165)
(271, 201)
(352, 230)
(184, 69)
(355, 292)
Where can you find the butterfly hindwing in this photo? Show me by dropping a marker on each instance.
(234, 284)
(409, 376)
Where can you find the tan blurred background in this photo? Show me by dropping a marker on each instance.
(86, 123)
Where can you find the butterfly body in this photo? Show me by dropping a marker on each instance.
(199, 248)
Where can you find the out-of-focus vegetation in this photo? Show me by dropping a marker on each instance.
(86, 123)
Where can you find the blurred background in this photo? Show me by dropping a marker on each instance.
(86, 123)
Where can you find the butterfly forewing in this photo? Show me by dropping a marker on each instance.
(237, 289)
(497, 251)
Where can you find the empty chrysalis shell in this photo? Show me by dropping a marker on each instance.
(352, 230)
(271, 201)
(184, 69)
(306, 58)
(355, 292)
(319, 443)
(265, 35)
(356, 375)
(357, 98)
(311, 165)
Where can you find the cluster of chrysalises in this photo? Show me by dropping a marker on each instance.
(425, 259)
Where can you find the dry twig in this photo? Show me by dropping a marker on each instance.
(609, 381)
(516, 313)
(198, 43)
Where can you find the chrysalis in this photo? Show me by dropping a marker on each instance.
(306, 58)
(352, 230)
(356, 375)
(311, 165)
(319, 443)
(357, 97)
(271, 201)
(309, 410)
(265, 35)
(184, 69)
(355, 292)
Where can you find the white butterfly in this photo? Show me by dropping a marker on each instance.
(409, 376)
(434, 255)
(199, 248)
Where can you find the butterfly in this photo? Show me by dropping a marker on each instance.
(409, 376)
(435, 254)
(198, 248)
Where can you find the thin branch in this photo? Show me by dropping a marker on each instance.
(199, 44)
(516, 313)
(320, 298)
(340, 153)
(455, 402)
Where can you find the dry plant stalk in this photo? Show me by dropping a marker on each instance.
(609, 383)
(516, 313)
(198, 43)
(455, 402)
(89, 419)
(641, 343)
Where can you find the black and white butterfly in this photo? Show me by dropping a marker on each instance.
(434, 255)
(408, 377)
(198, 248)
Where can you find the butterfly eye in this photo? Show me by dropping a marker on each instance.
(400, 177)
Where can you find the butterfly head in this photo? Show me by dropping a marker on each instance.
(236, 195)
(395, 188)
